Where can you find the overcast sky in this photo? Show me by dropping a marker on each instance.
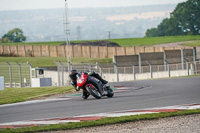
(38, 4)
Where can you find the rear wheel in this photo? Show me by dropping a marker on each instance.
(110, 93)
(94, 91)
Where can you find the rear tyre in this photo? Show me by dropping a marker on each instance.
(110, 93)
(94, 92)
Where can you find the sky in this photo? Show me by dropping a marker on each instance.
(39, 4)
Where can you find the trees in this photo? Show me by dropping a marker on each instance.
(187, 14)
(184, 20)
(15, 35)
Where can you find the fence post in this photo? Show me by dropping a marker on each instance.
(10, 74)
(169, 70)
(165, 58)
(195, 67)
(133, 70)
(30, 73)
(182, 58)
(188, 69)
(140, 63)
(148, 62)
(192, 69)
(168, 65)
(187, 66)
(100, 70)
(70, 66)
(194, 60)
(116, 71)
(62, 73)
(194, 54)
(20, 74)
(58, 69)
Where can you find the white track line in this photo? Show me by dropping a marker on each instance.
(34, 101)
(109, 114)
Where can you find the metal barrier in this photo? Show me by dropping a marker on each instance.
(115, 73)
(18, 74)
(119, 73)
(15, 74)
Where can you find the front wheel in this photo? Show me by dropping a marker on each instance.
(93, 91)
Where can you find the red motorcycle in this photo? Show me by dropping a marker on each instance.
(93, 86)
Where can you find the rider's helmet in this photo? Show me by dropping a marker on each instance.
(72, 74)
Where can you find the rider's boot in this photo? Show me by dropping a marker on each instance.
(85, 95)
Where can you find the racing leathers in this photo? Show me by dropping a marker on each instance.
(85, 94)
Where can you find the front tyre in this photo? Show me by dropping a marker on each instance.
(93, 91)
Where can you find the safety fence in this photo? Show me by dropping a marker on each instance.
(15, 74)
(20, 74)
(119, 73)
(115, 73)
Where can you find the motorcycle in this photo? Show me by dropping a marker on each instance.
(93, 86)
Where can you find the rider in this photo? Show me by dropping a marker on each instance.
(73, 74)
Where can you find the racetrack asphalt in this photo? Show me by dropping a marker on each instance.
(131, 95)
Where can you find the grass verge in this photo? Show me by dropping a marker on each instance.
(149, 41)
(146, 41)
(193, 44)
(49, 61)
(13, 95)
(104, 121)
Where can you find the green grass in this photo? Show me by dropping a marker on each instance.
(104, 121)
(42, 43)
(13, 95)
(49, 61)
(193, 44)
(35, 43)
(147, 41)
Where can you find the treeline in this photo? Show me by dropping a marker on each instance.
(184, 20)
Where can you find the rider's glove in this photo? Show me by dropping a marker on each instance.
(73, 84)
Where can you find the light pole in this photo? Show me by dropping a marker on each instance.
(78, 32)
(109, 35)
(67, 33)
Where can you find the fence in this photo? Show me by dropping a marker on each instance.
(116, 73)
(15, 74)
(18, 75)
(76, 51)
(64, 68)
